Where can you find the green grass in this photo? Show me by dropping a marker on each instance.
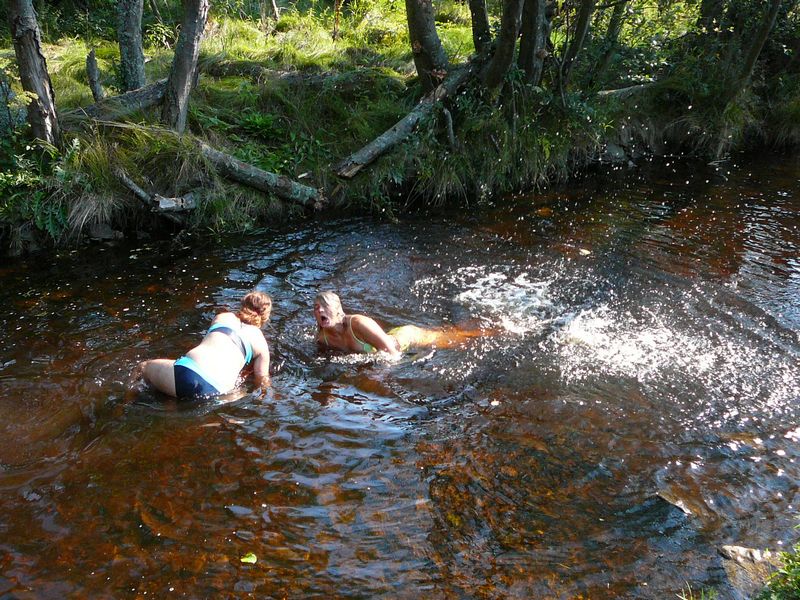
(784, 584)
(704, 594)
(292, 98)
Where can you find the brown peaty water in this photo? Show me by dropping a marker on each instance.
(638, 410)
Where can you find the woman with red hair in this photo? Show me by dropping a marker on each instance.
(233, 341)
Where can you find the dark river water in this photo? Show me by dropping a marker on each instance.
(637, 410)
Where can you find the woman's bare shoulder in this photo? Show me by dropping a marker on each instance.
(362, 320)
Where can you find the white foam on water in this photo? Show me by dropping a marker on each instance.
(362, 359)
(514, 301)
(598, 342)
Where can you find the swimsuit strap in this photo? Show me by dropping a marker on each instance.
(243, 344)
(215, 326)
(368, 348)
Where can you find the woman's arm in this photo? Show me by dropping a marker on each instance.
(370, 332)
(260, 360)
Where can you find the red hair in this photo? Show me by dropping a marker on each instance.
(255, 310)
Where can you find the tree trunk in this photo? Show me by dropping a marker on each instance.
(481, 34)
(184, 65)
(581, 29)
(494, 72)
(93, 74)
(129, 34)
(535, 32)
(429, 56)
(337, 14)
(157, 203)
(33, 71)
(758, 41)
(7, 120)
(350, 166)
(251, 176)
(119, 107)
(612, 37)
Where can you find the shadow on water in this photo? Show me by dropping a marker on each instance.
(637, 409)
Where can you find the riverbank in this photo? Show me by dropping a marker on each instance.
(289, 97)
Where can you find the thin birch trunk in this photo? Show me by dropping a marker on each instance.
(581, 29)
(495, 71)
(758, 41)
(535, 32)
(481, 33)
(182, 75)
(429, 56)
(611, 40)
(156, 12)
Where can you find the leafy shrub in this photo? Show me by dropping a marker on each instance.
(160, 35)
(24, 196)
(784, 584)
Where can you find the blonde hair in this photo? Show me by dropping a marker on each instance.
(255, 310)
(332, 302)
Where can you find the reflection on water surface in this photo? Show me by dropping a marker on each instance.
(638, 411)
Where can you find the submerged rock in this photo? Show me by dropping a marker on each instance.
(692, 505)
(747, 570)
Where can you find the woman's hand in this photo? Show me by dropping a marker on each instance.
(263, 384)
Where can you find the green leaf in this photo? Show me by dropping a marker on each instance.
(249, 558)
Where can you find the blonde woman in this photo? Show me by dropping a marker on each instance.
(361, 334)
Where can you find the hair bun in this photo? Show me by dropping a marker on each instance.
(255, 310)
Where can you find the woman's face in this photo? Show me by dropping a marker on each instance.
(325, 315)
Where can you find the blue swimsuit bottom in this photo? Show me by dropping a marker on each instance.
(191, 382)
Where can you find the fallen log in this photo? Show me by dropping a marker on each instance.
(227, 165)
(256, 71)
(156, 202)
(246, 174)
(118, 107)
(350, 166)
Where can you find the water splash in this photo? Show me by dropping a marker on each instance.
(736, 379)
(515, 301)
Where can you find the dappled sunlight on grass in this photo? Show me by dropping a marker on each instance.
(305, 42)
(66, 62)
(294, 97)
(457, 42)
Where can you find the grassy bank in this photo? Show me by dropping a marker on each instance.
(288, 97)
